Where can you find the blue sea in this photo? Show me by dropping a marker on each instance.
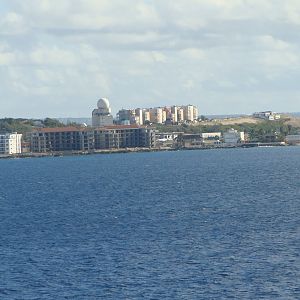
(208, 224)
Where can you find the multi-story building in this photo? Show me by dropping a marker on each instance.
(195, 113)
(233, 137)
(61, 139)
(156, 115)
(146, 116)
(139, 116)
(90, 139)
(180, 115)
(160, 115)
(174, 113)
(10, 143)
(126, 116)
(188, 113)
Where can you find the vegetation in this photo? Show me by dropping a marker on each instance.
(267, 131)
(26, 125)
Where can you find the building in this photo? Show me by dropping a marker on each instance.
(293, 139)
(101, 116)
(188, 113)
(61, 139)
(180, 115)
(146, 116)
(126, 117)
(139, 116)
(211, 135)
(126, 136)
(156, 115)
(174, 114)
(233, 137)
(267, 115)
(187, 140)
(90, 139)
(10, 143)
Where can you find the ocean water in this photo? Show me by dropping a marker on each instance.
(211, 224)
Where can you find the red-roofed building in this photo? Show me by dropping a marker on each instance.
(89, 139)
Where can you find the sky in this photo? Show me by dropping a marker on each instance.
(57, 58)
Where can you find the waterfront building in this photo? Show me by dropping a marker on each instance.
(101, 116)
(293, 139)
(90, 139)
(61, 139)
(211, 135)
(187, 140)
(233, 137)
(10, 143)
(126, 136)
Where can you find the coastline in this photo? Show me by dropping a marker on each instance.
(135, 150)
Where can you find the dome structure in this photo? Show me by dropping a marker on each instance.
(103, 103)
(101, 116)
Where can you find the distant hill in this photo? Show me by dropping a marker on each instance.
(21, 125)
(67, 121)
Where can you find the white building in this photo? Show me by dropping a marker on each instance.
(267, 115)
(233, 137)
(139, 116)
(10, 143)
(174, 110)
(211, 135)
(101, 116)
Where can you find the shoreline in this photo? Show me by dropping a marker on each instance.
(136, 150)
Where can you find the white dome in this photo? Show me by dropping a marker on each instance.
(103, 103)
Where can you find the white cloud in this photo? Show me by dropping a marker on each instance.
(154, 50)
(193, 53)
(53, 56)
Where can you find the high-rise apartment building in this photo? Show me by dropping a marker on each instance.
(156, 115)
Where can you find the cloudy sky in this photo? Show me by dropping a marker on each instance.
(57, 57)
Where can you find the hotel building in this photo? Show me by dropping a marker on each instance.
(90, 139)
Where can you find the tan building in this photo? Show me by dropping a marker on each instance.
(188, 113)
(180, 115)
(156, 115)
(146, 116)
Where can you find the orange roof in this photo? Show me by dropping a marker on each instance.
(119, 127)
(73, 128)
(60, 129)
